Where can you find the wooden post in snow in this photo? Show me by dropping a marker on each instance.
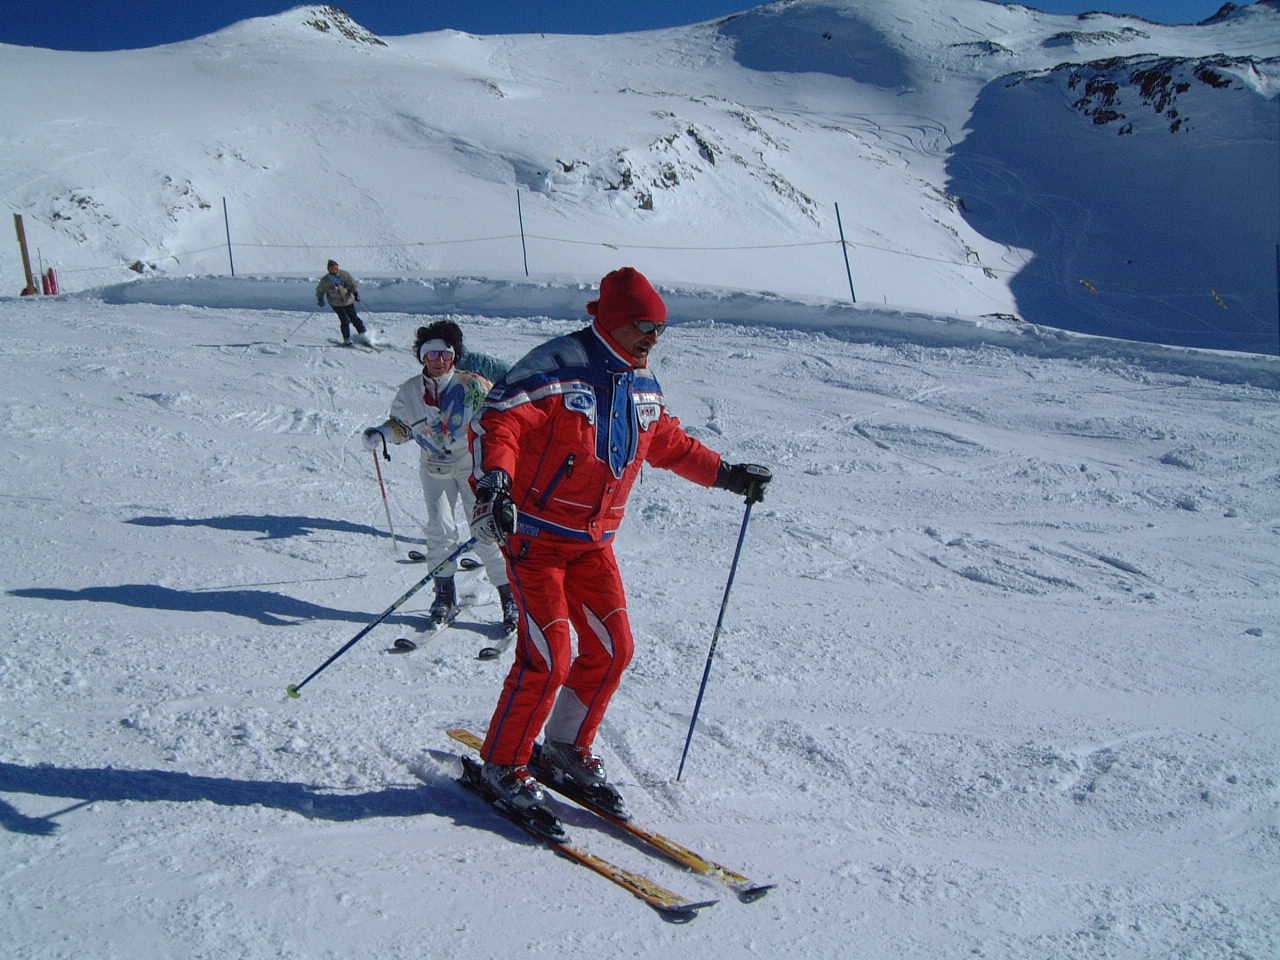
(30, 288)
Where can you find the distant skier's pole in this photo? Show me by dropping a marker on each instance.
(523, 249)
(844, 248)
(715, 636)
(226, 222)
(294, 689)
(298, 327)
(395, 547)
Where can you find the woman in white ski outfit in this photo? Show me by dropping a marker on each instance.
(435, 409)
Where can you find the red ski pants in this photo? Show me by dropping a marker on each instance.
(559, 584)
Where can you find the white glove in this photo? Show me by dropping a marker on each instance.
(494, 517)
(374, 439)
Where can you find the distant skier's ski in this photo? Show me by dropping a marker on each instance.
(542, 824)
(364, 347)
(746, 889)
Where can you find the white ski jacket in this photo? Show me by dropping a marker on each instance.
(436, 413)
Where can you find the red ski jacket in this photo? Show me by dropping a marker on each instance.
(572, 423)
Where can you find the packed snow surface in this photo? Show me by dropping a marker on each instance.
(997, 677)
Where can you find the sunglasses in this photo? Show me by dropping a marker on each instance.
(438, 355)
(648, 326)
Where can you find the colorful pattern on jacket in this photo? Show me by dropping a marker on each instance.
(572, 423)
(439, 424)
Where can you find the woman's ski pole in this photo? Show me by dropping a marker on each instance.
(395, 547)
(715, 636)
(294, 689)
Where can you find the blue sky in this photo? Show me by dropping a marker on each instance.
(111, 25)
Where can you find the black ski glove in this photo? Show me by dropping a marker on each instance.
(494, 518)
(746, 479)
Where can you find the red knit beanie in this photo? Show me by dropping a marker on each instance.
(625, 297)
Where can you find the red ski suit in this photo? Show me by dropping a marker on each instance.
(572, 424)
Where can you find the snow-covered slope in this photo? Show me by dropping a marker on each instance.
(969, 177)
(997, 677)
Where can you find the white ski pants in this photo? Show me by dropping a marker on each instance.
(446, 528)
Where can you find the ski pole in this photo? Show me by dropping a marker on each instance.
(294, 689)
(395, 547)
(299, 326)
(715, 636)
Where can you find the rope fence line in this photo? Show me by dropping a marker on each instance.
(637, 246)
(989, 271)
(1093, 287)
(376, 246)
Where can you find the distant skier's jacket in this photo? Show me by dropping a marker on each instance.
(339, 290)
(435, 412)
(572, 423)
(491, 368)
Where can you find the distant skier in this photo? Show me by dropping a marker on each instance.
(557, 446)
(342, 292)
(435, 408)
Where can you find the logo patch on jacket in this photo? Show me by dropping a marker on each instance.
(583, 402)
(648, 409)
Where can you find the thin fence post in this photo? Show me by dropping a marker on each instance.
(520, 215)
(844, 248)
(226, 222)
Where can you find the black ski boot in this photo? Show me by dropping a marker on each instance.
(579, 764)
(510, 610)
(445, 605)
(516, 795)
(513, 785)
(578, 773)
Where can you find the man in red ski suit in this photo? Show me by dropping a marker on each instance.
(557, 447)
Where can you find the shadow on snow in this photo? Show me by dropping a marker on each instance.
(268, 608)
(271, 527)
(95, 785)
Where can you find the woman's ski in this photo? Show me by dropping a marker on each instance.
(428, 630)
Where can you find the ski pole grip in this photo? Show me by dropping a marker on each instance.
(760, 476)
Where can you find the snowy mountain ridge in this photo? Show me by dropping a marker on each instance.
(711, 154)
